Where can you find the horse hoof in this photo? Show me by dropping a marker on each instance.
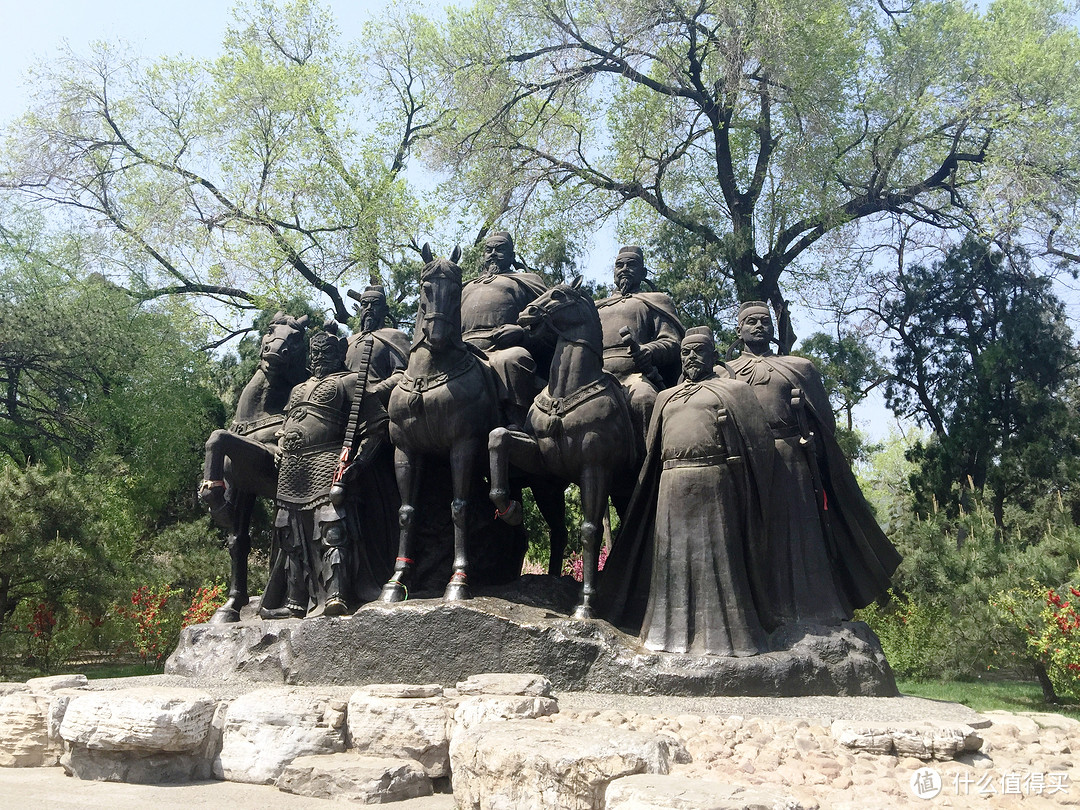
(456, 591)
(393, 592)
(335, 606)
(225, 615)
(583, 612)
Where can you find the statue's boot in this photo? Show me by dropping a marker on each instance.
(335, 590)
(295, 606)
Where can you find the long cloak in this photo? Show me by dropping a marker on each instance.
(860, 556)
(625, 583)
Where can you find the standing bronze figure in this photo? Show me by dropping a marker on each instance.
(240, 462)
(445, 405)
(679, 569)
(579, 428)
(826, 554)
(312, 530)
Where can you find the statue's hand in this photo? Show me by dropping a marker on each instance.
(642, 357)
(337, 494)
(508, 335)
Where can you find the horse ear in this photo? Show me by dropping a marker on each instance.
(455, 254)
(425, 253)
(302, 321)
(576, 283)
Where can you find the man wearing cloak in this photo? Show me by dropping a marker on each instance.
(641, 336)
(679, 569)
(490, 306)
(383, 351)
(825, 554)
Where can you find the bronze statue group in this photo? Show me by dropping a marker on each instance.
(739, 513)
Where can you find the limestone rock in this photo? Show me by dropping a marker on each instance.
(24, 731)
(366, 780)
(401, 690)
(653, 792)
(126, 766)
(1052, 720)
(139, 720)
(536, 764)
(409, 728)
(476, 709)
(148, 736)
(924, 740)
(53, 682)
(1021, 722)
(9, 687)
(267, 729)
(505, 683)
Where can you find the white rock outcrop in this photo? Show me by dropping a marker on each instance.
(139, 720)
(24, 731)
(388, 720)
(657, 792)
(534, 764)
(925, 740)
(136, 735)
(365, 780)
(265, 730)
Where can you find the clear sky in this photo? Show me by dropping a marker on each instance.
(38, 29)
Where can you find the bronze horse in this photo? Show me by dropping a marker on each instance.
(240, 462)
(445, 405)
(579, 429)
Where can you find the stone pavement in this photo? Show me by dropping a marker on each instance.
(50, 789)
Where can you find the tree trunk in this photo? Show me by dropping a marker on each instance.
(1049, 695)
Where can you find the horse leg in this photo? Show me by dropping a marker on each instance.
(550, 496)
(212, 488)
(239, 548)
(408, 466)
(593, 503)
(463, 457)
(506, 447)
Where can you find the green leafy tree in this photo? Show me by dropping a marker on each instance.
(762, 127)
(241, 179)
(984, 357)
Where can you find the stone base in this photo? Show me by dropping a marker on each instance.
(440, 642)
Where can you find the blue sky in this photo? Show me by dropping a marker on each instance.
(38, 29)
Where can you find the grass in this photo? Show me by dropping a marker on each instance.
(989, 695)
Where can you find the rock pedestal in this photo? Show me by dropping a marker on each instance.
(445, 642)
(138, 735)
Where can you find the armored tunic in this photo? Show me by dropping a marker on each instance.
(494, 300)
(654, 325)
(310, 440)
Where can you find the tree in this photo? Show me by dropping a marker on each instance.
(762, 127)
(983, 356)
(851, 370)
(240, 179)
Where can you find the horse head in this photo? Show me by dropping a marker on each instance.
(438, 320)
(283, 353)
(566, 310)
